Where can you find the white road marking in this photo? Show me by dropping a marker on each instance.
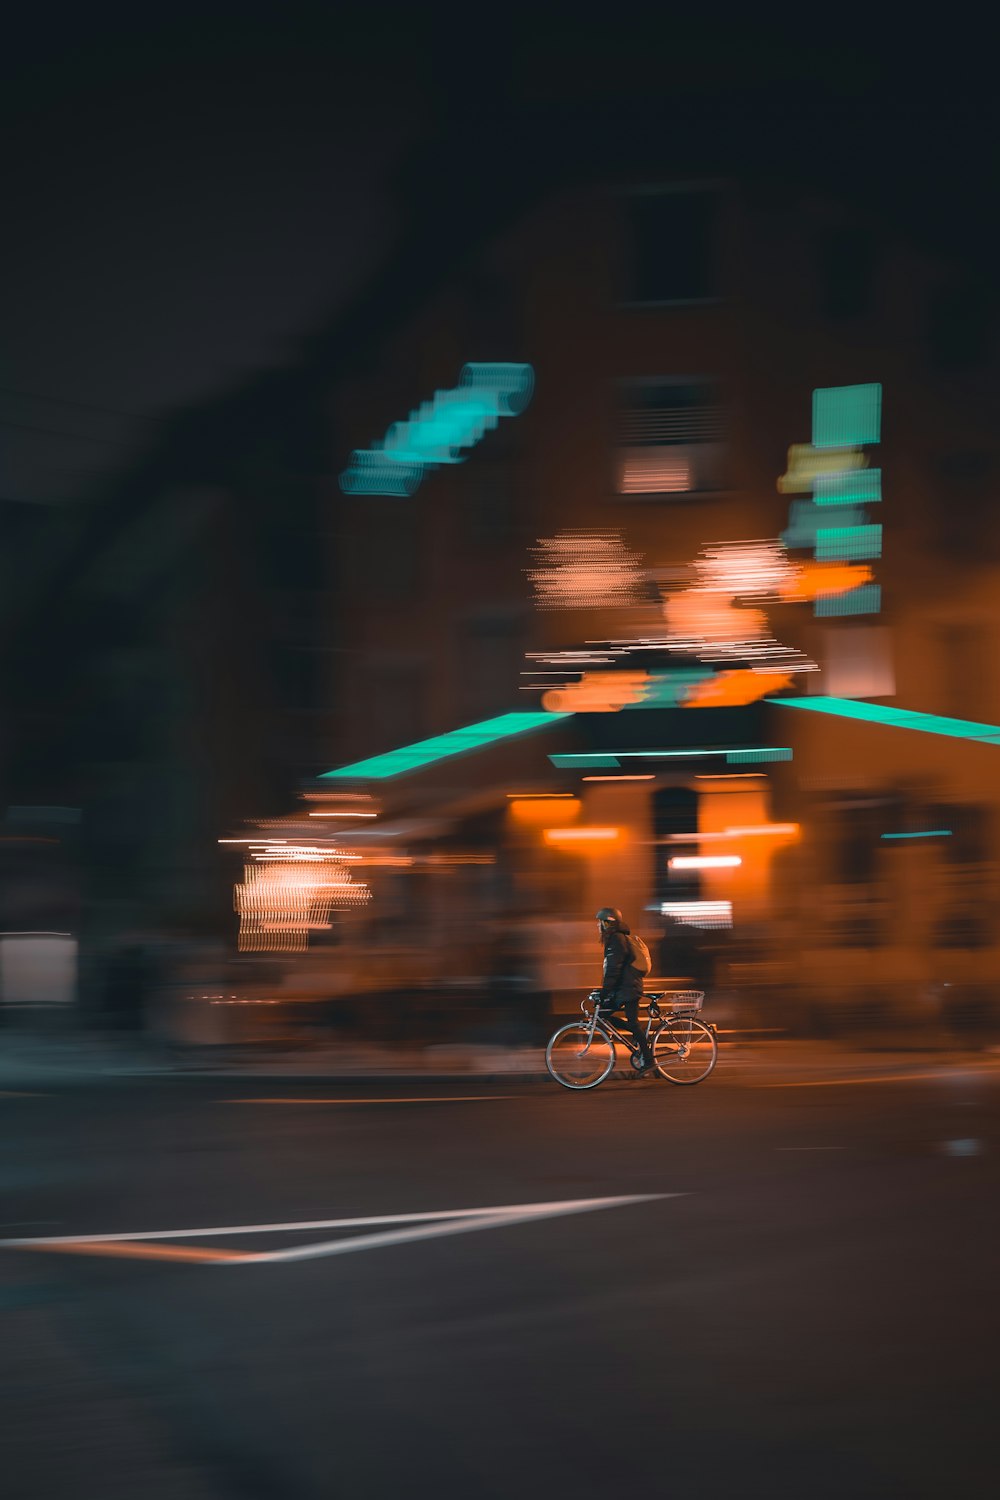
(810, 1148)
(432, 1231)
(445, 1221)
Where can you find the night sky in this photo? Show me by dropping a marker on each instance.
(182, 203)
(190, 190)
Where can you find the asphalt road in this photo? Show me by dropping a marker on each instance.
(800, 1300)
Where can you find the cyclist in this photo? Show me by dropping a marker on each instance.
(621, 982)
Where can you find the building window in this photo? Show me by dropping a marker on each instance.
(856, 908)
(966, 903)
(669, 438)
(672, 245)
(856, 842)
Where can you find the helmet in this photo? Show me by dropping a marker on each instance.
(609, 914)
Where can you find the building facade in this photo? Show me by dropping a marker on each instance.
(677, 332)
(252, 624)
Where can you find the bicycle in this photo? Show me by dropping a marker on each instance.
(582, 1054)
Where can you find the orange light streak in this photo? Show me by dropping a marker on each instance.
(730, 775)
(760, 830)
(646, 776)
(557, 836)
(597, 693)
(765, 830)
(818, 580)
(135, 1249)
(736, 687)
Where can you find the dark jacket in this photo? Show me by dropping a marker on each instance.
(620, 980)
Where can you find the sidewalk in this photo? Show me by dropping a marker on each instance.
(27, 1060)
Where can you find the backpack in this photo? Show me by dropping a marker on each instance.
(640, 959)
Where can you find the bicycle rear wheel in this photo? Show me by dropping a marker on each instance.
(685, 1050)
(578, 1060)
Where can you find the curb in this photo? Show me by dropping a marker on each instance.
(48, 1080)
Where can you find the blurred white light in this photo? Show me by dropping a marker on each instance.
(585, 570)
(699, 913)
(705, 862)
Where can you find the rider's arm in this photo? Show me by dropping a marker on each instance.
(616, 956)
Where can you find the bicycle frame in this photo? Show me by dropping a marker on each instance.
(597, 1022)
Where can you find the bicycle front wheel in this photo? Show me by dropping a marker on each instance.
(685, 1050)
(577, 1059)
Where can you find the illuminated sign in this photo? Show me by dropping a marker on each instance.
(833, 468)
(717, 616)
(805, 466)
(289, 890)
(585, 570)
(847, 416)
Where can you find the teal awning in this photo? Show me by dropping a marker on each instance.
(895, 718)
(456, 742)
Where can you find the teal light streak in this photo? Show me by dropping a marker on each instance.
(925, 833)
(896, 718)
(758, 757)
(866, 599)
(747, 756)
(456, 742)
(374, 473)
(569, 762)
(666, 754)
(805, 520)
(848, 543)
(439, 429)
(846, 416)
(853, 486)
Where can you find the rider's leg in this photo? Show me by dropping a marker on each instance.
(630, 1005)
